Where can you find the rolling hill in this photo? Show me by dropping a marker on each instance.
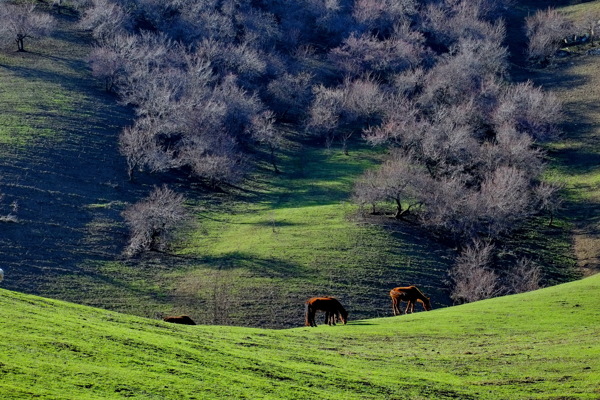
(537, 345)
(276, 239)
(256, 253)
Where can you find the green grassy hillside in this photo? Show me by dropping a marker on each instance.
(276, 240)
(575, 158)
(538, 345)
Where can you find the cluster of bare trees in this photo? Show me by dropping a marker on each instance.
(549, 30)
(465, 161)
(464, 139)
(204, 76)
(188, 116)
(474, 277)
(427, 78)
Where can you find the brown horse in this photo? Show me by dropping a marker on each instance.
(180, 319)
(411, 295)
(331, 306)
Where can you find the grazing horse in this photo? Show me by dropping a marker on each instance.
(180, 319)
(411, 295)
(331, 306)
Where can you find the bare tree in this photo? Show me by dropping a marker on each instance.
(23, 21)
(548, 198)
(524, 276)
(530, 110)
(381, 15)
(367, 191)
(367, 54)
(546, 30)
(461, 74)
(263, 130)
(504, 200)
(212, 156)
(336, 112)
(105, 18)
(472, 276)
(106, 65)
(141, 146)
(290, 94)
(589, 23)
(154, 220)
(397, 182)
(447, 22)
(511, 148)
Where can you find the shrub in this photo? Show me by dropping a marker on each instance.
(153, 221)
(472, 278)
(524, 276)
(545, 30)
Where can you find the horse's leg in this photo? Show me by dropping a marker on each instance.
(310, 316)
(306, 315)
(396, 306)
(408, 309)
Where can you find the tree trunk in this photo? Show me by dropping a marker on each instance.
(399, 211)
(273, 160)
(20, 45)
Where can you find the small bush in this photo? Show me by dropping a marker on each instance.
(546, 30)
(472, 277)
(153, 220)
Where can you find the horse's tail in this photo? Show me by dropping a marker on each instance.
(307, 314)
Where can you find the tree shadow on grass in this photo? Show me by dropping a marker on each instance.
(257, 266)
(69, 82)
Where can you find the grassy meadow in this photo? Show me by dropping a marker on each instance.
(538, 345)
(256, 252)
(277, 239)
(574, 159)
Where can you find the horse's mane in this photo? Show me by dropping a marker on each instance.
(419, 291)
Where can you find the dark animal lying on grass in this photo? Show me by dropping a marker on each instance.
(180, 319)
(332, 307)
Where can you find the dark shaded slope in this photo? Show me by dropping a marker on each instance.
(58, 162)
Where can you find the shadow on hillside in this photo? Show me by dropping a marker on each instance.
(69, 82)
(260, 267)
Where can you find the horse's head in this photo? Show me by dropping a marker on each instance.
(427, 303)
(344, 315)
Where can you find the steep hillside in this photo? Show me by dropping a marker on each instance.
(58, 161)
(574, 159)
(275, 240)
(539, 345)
